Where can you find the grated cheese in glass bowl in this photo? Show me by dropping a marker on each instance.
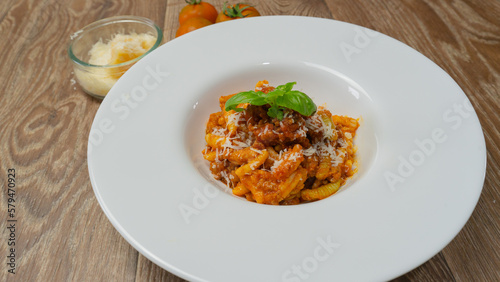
(104, 50)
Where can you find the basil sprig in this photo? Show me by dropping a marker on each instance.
(281, 97)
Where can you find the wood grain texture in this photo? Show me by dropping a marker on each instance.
(45, 119)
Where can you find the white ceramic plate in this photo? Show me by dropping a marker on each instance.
(421, 150)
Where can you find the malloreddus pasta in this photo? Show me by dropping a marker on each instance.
(273, 146)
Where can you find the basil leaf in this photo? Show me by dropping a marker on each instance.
(273, 95)
(287, 87)
(281, 97)
(297, 101)
(275, 112)
(252, 97)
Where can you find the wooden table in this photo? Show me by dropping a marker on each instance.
(61, 232)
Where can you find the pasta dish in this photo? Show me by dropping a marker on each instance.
(287, 159)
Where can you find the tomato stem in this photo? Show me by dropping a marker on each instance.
(234, 11)
(193, 2)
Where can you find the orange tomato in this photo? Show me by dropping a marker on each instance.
(236, 11)
(192, 24)
(197, 9)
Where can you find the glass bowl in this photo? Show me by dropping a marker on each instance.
(97, 79)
